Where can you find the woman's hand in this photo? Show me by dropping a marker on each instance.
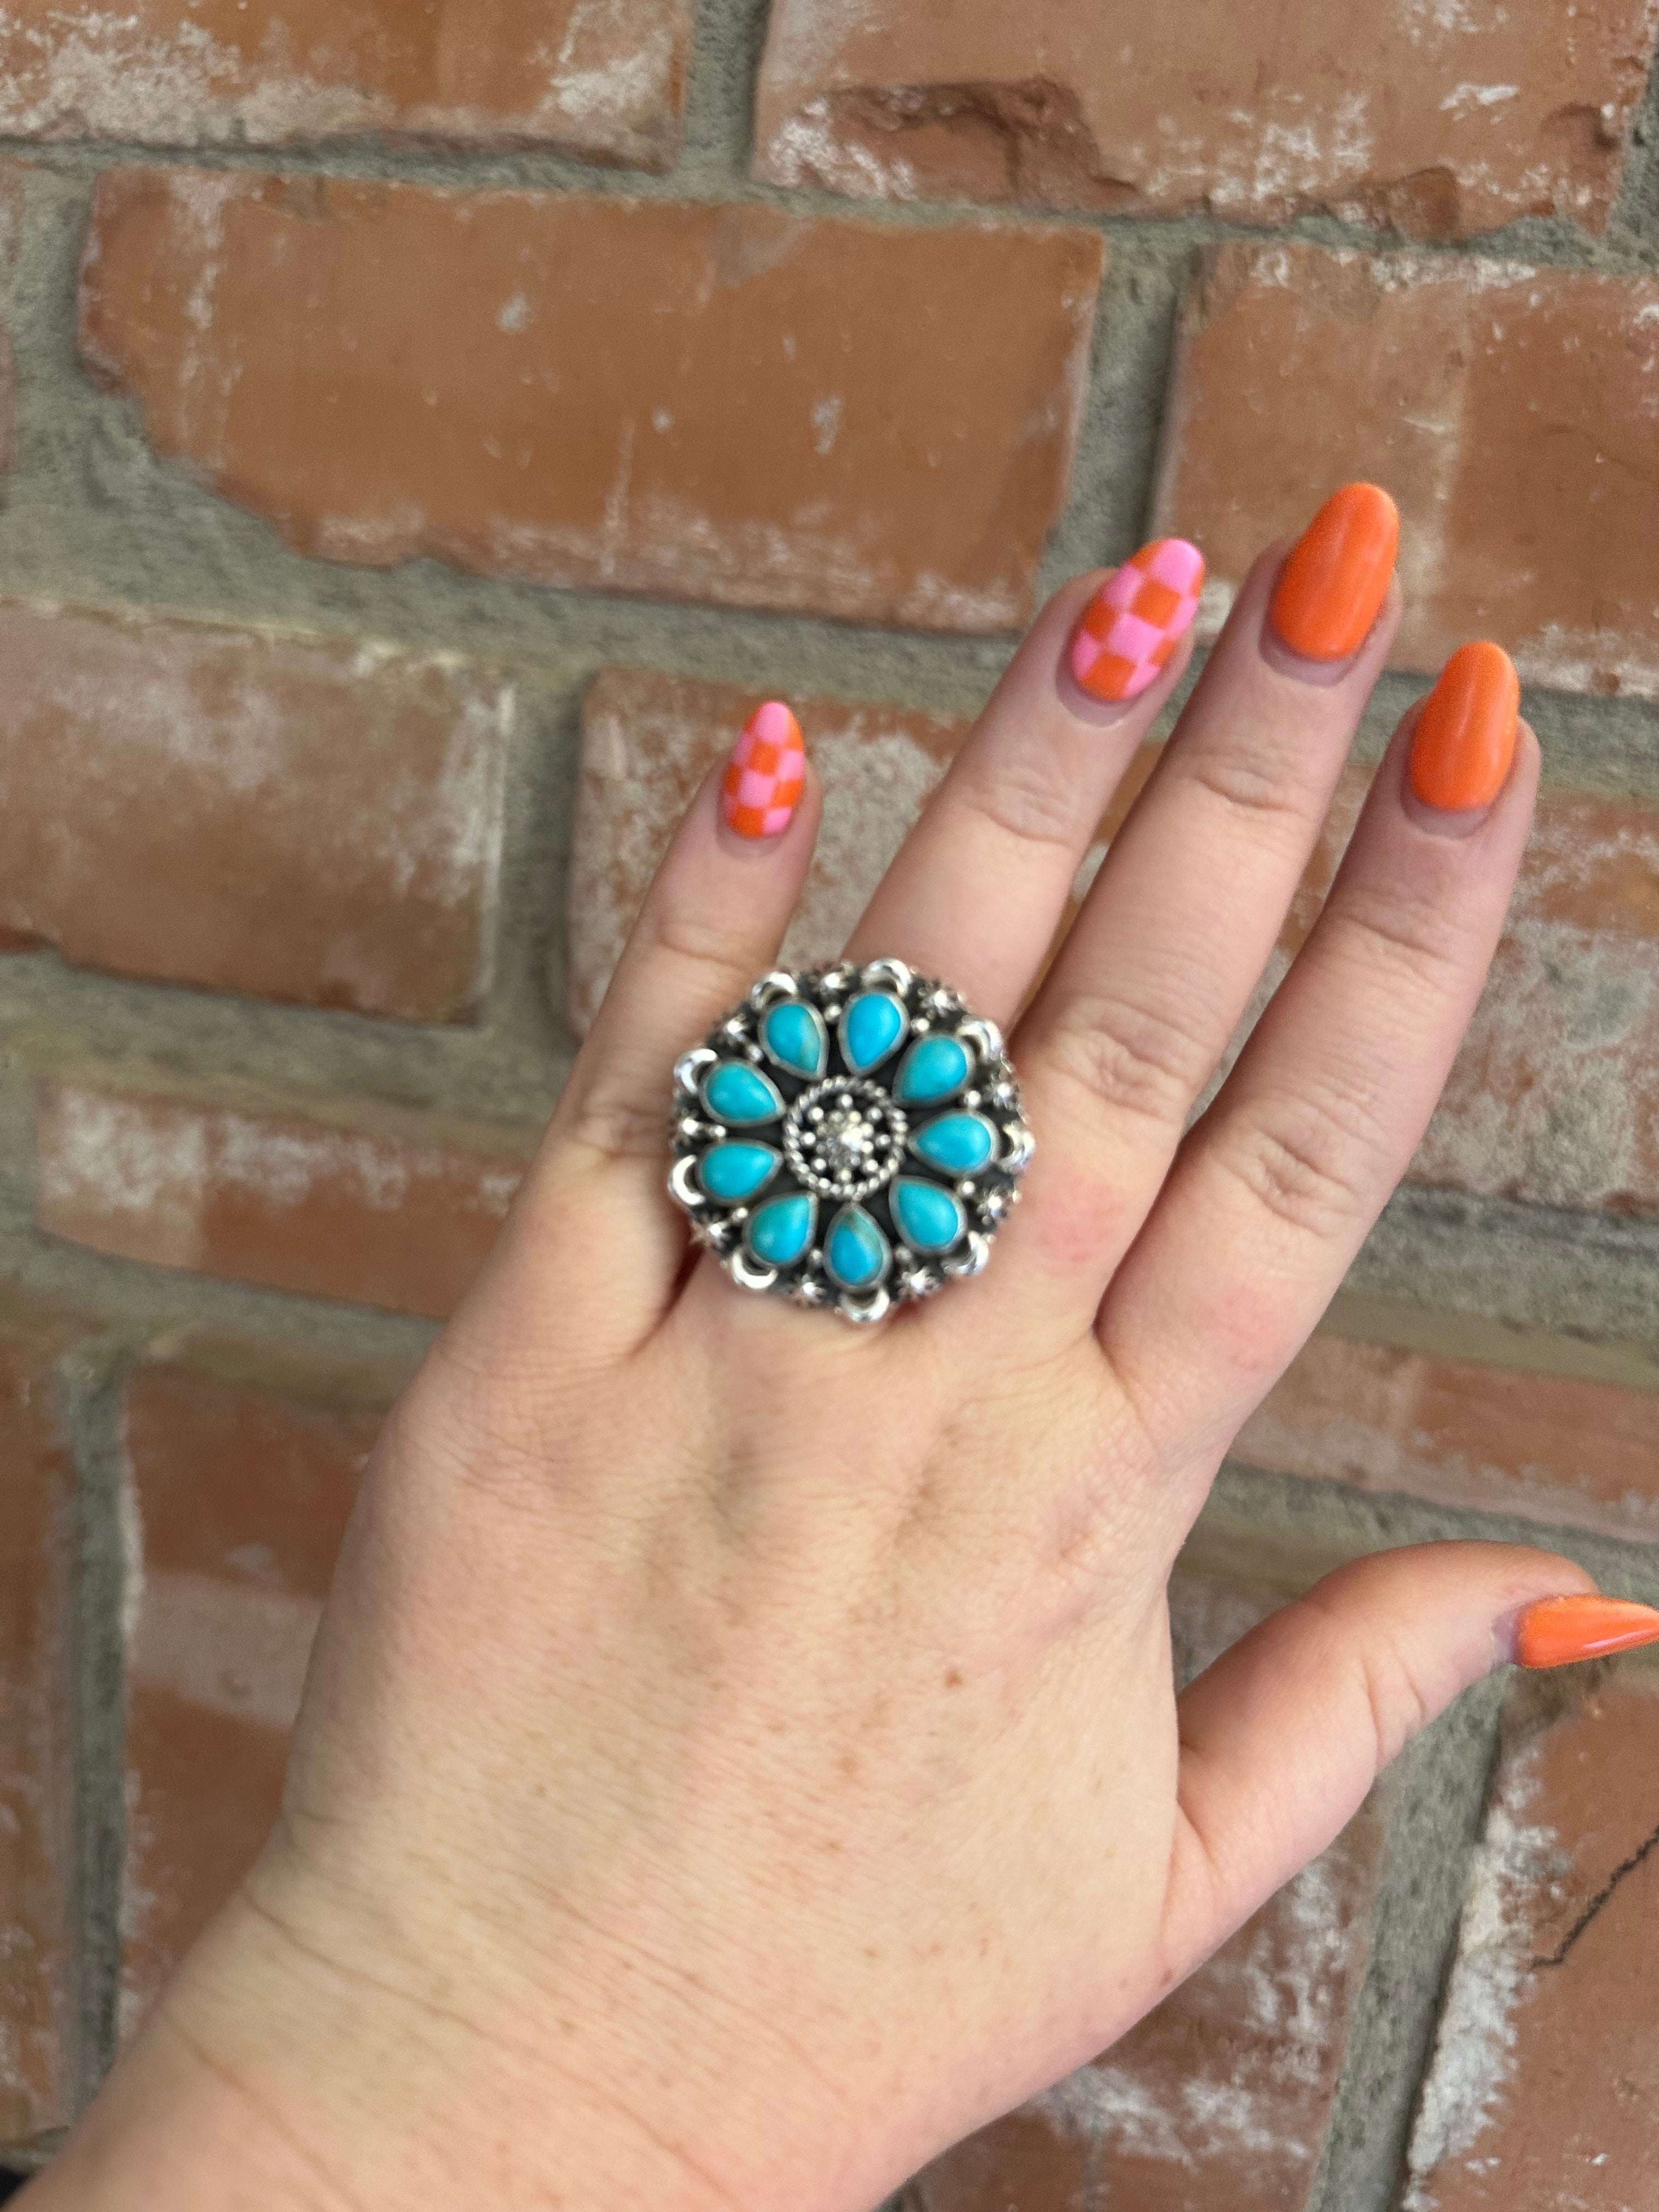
(741, 1755)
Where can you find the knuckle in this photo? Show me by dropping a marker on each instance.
(714, 950)
(1247, 786)
(1404, 936)
(615, 1125)
(1312, 1163)
(1024, 799)
(1129, 1057)
(1399, 1707)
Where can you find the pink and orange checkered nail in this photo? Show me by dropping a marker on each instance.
(1136, 618)
(766, 774)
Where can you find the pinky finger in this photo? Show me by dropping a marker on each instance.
(713, 919)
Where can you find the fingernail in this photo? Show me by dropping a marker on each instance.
(1465, 737)
(766, 774)
(1127, 633)
(1335, 576)
(1558, 1630)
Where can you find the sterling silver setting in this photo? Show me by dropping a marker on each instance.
(850, 1137)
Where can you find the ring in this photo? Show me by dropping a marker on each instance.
(850, 1137)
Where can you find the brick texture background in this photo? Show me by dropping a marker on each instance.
(425, 432)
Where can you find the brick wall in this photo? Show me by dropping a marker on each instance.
(422, 434)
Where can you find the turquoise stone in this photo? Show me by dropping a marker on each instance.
(955, 1144)
(792, 1032)
(935, 1067)
(926, 1215)
(780, 1231)
(855, 1252)
(869, 1028)
(732, 1172)
(737, 1094)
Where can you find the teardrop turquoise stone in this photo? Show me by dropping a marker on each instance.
(780, 1231)
(737, 1094)
(793, 1033)
(955, 1144)
(869, 1028)
(732, 1172)
(855, 1252)
(935, 1067)
(928, 1217)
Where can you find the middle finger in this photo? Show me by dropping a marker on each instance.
(1183, 919)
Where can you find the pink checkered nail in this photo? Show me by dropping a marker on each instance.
(1136, 618)
(766, 774)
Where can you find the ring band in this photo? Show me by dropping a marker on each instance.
(850, 1137)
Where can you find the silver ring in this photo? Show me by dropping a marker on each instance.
(849, 1137)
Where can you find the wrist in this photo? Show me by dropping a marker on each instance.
(267, 2082)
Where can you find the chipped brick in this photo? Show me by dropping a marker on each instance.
(1438, 122)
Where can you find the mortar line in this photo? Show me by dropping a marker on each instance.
(92, 1374)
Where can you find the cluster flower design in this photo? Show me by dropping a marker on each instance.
(849, 1136)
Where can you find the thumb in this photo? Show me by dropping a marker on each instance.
(1283, 1736)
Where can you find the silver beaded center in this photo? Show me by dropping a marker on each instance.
(844, 1138)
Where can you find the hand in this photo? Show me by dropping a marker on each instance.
(741, 1756)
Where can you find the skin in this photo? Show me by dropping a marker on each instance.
(740, 1756)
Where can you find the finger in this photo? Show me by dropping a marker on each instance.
(1283, 1736)
(979, 886)
(1278, 1183)
(712, 921)
(1183, 919)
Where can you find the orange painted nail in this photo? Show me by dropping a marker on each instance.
(1335, 577)
(1465, 738)
(1558, 1630)
(766, 774)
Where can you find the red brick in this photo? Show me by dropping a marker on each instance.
(379, 1205)
(1554, 1100)
(240, 1477)
(295, 817)
(1466, 1414)
(1512, 411)
(605, 80)
(1545, 2072)
(37, 1550)
(1220, 2100)
(1437, 122)
(717, 403)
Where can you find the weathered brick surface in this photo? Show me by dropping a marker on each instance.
(1512, 411)
(240, 1477)
(1436, 121)
(294, 817)
(377, 1204)
(1555, 1098)
(730, 404)
(1526, 1435)
(1220, 2100)
(37, 1995)
(1541, 2092)
(606, 81)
